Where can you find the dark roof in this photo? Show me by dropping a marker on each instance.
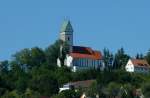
(83, 84)
(82, 50)
(85, 52)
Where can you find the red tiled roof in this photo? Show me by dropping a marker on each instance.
(139, 62)
(85, 52)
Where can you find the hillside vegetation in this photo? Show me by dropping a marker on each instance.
(33, 73)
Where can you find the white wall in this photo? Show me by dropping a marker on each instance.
(85, 63)
(129, 66)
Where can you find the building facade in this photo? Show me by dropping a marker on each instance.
(79, 57)
(137, 65)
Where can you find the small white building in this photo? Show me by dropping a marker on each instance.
(137, 65)
(79, 57)
(65, 87)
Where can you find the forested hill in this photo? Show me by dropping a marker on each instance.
(33, 73)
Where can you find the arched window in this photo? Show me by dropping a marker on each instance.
(68, 38)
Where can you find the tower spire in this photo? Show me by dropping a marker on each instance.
(66, 27)
(66, 33)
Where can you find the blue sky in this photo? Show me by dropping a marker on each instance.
(97, 23)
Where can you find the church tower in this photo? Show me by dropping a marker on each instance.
(66, 33)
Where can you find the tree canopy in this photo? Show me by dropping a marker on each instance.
(33, 73)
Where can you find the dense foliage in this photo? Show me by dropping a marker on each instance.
(33, 73)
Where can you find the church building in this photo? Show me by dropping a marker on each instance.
(79, 57)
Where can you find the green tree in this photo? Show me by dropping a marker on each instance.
(85, 75)
(148, 56)
(93, 90)
(28, 58)
(113, 89)
(53, 52)
(108, 59)
(23, 58)
(68, 94)
(58, 50)
(139, 56)
(4, 67)
(4, 83)
(31, 94)
(126, 91)
(121, 58)
(38, 56)
(63, 75)
(3, 86)
(21, 84)
(44, 81)
(18, 77)
(63, 52)
(12, 94)
(146, 90)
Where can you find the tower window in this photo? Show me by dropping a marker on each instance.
(68, 39)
